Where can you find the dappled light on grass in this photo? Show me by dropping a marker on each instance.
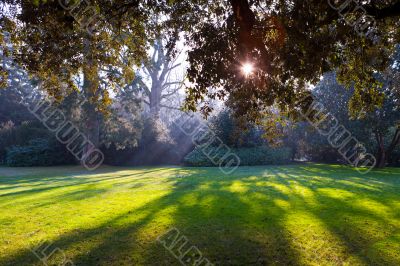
(302, 214)
(314, 240)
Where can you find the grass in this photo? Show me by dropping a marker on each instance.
(285, 215)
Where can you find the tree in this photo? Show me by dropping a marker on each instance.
(11, 109)
(378, 129)
(124, 126)
(385, 124)
(165, 83)
(49, 42)
(290, 44)
(229, 130)
(335, 100)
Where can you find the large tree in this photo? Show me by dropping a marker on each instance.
(56, 43)
(290, 44)
(378, 130)
(161, 78)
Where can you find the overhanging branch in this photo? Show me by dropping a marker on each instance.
(386, 12)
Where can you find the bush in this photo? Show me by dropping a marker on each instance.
(11, 135)
(39, 152)
(248, 156)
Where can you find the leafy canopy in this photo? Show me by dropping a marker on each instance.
(290, 44)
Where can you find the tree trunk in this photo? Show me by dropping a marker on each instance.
(155, 100)
(247, 38)
(294, 152)
(381, 159)
(91, 116)
(393, 144)
(92, 122)
(381, 156)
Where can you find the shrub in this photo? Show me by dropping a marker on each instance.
(39, 152)
(11, 135)
(248, 156)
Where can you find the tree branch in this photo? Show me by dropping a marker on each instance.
(165, 85)
(170, 107)
(386, 12)
(167, 70)
(171, 93)
(246, 20)
(175, 66)
(144, 87)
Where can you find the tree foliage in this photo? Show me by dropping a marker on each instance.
(377, 130)
(291, 44)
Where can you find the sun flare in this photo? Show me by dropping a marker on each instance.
(247, 69)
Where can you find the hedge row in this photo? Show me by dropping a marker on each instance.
(39, 152)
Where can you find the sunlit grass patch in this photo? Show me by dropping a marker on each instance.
(284, 215)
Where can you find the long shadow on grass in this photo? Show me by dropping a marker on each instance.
(357, 226)
(63, 182)
(236, 220)
(230, 228)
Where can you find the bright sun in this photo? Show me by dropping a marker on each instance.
(247, 69)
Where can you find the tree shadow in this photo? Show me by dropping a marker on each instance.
(361, 218)
(245, 219)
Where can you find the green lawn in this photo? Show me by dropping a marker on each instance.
(284, 215)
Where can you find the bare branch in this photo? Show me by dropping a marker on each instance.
(168, 70)
(144, 87)
(175, 66)
(170, 107)
(166, 85)
(171, 93)
(389, 11)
